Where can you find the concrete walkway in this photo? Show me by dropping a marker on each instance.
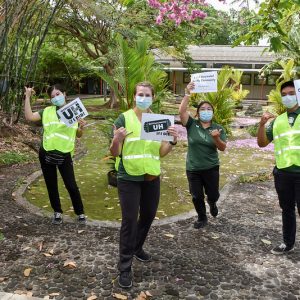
(228, 259)
(9, 296)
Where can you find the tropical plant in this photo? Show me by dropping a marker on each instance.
(133, 65)
(224, 100)
(279, 22)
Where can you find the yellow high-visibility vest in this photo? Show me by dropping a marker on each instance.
(139, 157)
(286, 142)
(57, 135)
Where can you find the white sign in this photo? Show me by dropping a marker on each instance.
(205, 82)
(154, 127)
(71, 112)
(297, 88)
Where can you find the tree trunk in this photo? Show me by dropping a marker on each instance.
(112, 103)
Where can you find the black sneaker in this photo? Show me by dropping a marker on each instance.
(57, 218)
(81, 219)
(200, 223)
(213, 209)
(282, 249)
(125, 279)
(143, 256)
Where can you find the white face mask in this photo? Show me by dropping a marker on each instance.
(289, 101)
(142, 102)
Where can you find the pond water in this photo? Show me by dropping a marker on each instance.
(101, 200)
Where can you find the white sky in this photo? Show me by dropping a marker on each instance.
(227, 6)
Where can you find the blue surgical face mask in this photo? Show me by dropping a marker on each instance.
(206, 115)
(58, 100)
(142, 102)
(289, 101)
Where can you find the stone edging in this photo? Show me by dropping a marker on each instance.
(20, 199)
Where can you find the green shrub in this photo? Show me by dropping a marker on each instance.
(252, 129)
(1, 236)
(251, 178)
(9, 158)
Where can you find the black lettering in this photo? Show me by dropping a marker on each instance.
(68, 114)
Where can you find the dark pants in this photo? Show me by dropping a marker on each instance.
(67, 173)
(287, 186)
(203, 181)
(136, 198)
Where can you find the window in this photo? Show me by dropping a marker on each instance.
(259, 66)
(271, 80)
(258, 80)
(246, 79)
(186, 77)
(236, 66)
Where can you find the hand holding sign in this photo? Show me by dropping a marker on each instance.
(173, 132)
(190, 87)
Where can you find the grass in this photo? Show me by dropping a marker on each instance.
(1, 236)
(94, 101)
(9, 158)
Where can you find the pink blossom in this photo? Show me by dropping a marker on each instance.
(178, 10)
(159, 19)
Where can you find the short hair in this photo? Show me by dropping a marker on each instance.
(286, 84)
(56, 86)
(144, 84)
(201, 103)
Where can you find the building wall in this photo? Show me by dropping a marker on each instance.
(258, 90)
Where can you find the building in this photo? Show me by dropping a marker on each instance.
(249, 59)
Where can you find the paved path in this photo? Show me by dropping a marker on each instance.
(10, 296)
(229, 259)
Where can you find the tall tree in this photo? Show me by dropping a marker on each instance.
(95, 24)
(22, 32)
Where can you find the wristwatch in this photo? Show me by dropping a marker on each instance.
(172, 143)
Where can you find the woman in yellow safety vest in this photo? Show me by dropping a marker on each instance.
(138, 179)
(56, 151)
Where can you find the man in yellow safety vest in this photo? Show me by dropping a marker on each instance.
(285, 132)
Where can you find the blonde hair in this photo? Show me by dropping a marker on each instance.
(144, 84)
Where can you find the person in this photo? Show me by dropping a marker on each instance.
(205, 138)
(284, 131)
(56, 151)
(138, 179)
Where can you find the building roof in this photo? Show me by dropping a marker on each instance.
(213, 53)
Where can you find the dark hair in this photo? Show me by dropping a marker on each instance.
(286, 84)
(201, 103)
(144, 84)
(57, 86)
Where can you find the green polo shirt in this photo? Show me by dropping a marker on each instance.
(202, 151)
(122, 174)
(269, 132)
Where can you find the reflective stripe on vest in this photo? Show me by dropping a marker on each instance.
(139, 157)
(286, 142)
(57, 135)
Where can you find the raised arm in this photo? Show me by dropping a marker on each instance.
(184, 115)
(29, 115)
(262, 139)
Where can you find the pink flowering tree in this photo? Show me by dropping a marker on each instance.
(178, 10)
